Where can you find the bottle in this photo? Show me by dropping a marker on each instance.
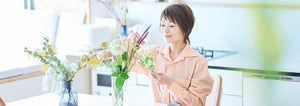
(123, 32)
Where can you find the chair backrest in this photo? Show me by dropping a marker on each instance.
(2, 102)
(213, 99)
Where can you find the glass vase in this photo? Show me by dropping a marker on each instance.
(118, 94)
(68, 96)
(123, 32)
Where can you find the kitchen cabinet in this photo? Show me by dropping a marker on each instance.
(267, 90)
(139, 95)
(232, 81)
(229, 100)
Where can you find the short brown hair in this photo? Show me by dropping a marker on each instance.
(182, 15)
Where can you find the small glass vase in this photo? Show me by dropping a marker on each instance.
(123, 32)
(118, 94)
(68, 96)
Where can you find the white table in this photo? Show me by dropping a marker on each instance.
(83, 100)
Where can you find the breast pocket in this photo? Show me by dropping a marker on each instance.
(182, 75)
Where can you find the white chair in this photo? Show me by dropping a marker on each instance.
(213, 99)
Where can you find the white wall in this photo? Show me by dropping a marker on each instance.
(219, 27)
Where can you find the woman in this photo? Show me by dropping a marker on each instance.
(180, 71)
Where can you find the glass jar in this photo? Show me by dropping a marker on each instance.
(118, 94)
(68, 96)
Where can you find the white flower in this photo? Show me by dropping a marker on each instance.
(114, 43)
(118, 50)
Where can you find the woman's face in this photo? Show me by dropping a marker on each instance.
(171, 32)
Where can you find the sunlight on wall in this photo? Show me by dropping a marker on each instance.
(269, 45)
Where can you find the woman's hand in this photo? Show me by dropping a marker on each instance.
(135, 36)
(160, 79)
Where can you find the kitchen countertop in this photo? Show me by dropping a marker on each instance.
(287, 65)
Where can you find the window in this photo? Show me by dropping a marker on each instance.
(17, 31)
(29, 4)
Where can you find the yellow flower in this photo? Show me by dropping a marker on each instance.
(147, 65)
(136, 46)
(44, 67)
(52, 50)
(43, 53)
(144, 56)
(76, 70)
(83, 65)
(104, 45)
(149, 62)
(38, 50)
(90, 61)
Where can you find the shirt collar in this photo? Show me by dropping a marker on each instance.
(186, 52)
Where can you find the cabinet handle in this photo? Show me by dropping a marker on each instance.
(286, 78)
(256, 76)
(271, 77)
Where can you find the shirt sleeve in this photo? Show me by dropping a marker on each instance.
(137, 68)
(200, 87)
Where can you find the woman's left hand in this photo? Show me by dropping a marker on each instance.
(161, 78)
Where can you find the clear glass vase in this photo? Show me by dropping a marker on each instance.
(118, 94)
(68, 97)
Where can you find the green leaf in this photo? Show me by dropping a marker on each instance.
(126, 70)
(119, 60)
(119, 68)
(119, 83)
(124, 76)
(124, 56)
(44, 61)
(114, 74)
(112, 65)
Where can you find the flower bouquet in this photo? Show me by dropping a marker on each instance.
(62, 72)
(146, 60)
(120, 56)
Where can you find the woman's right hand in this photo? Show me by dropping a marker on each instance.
(135, 36)
(160, 78)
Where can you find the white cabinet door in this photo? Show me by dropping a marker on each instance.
(228, 100)
(232, 81)
(270, 92)
(139, 95)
